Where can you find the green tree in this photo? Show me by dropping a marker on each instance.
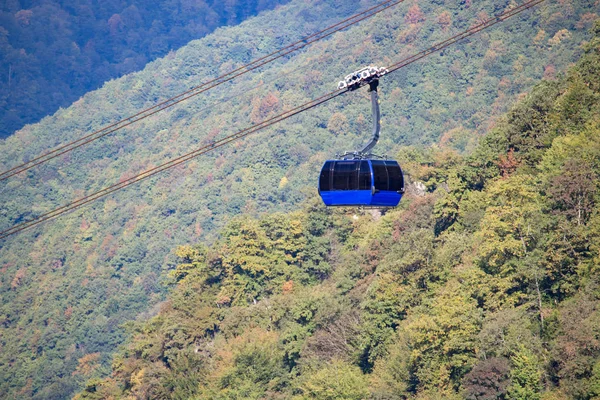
(334, 381)
(525, 376)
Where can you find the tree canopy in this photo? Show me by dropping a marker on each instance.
(500, 301)
(350, 292)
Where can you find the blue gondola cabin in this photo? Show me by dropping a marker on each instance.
(370, 183)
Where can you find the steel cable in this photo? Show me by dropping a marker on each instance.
(259, 126)
(199, 89)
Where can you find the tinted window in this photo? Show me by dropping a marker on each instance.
(324, 179)
(395, 176)
(380, 175)
(345, 175)
(364, 176)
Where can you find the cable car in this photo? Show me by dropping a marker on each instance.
(361, 183)
(360, 178)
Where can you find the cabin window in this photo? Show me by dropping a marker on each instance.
(364, 176)
(325, 178)
(380, 175)
(396, 182)
(345, 175)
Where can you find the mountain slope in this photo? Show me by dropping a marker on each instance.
(53, 52)
(67, 286)
(483, 287)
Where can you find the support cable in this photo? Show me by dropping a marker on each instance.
(465, 34)
(259, 126)
(255, 64)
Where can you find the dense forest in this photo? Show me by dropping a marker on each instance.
(54, 51)
(68, 287)
(485, 285)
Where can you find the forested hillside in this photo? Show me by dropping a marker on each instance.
(52, 52)
(485, 286)
(67, 287)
